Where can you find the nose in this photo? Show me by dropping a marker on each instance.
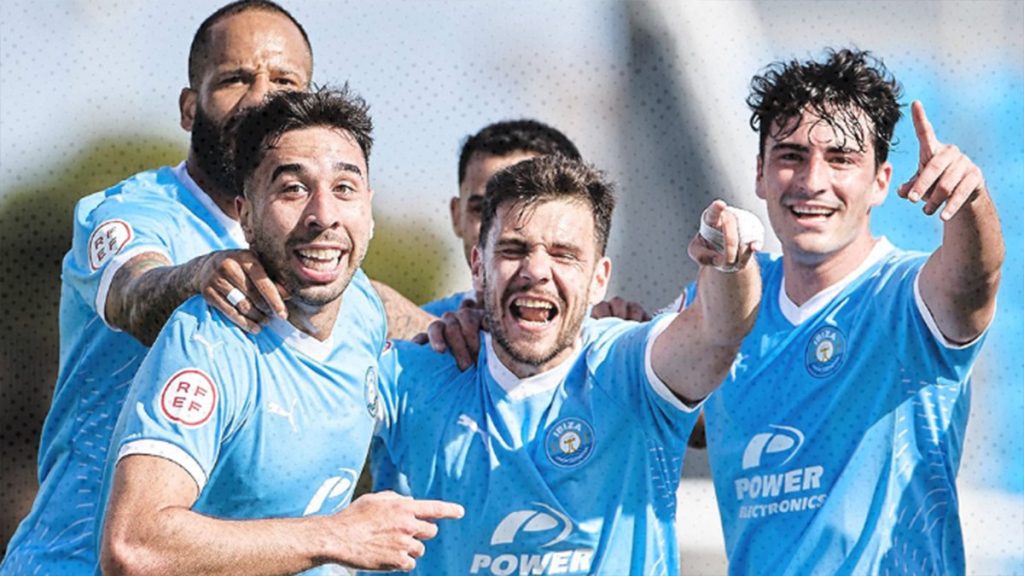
(816, 174)
(536, 266)
(323, 210)
(257, 92)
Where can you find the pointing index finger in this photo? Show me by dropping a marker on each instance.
(929, 144)
(437, 509)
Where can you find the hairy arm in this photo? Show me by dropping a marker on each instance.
(151, 530)
(694, 353)
(405, 319)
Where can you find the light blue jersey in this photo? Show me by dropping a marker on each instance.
(448, 303)
(573, 471)
(275, 424)
(160, 211)
(835, 443)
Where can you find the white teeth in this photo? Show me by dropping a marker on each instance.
(530, 303)
(325, 254)
(811, 211)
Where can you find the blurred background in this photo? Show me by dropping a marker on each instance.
(652, 92)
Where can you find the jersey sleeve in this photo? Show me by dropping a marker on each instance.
(186, 400)
(620, 361)
(111, 231)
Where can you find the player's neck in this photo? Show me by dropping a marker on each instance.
(806, 276)
(222, 198)
(523, 370)
(317, 321)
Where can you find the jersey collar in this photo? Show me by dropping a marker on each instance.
(233, 228)
(798, 314)
(520, 388)
(300, 341)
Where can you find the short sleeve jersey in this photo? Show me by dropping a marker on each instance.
(572, 471)
(835, 442)
(275, 424)
(160, 211)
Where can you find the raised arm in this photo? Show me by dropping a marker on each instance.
(151, 530)
(147, 288)
(694, 353)
(960, 279)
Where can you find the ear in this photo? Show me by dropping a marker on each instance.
(454, 209)
(758, 180)
(243, 206)
(476, 265)
(599, 283)
(880, 186)
(373, 223)
(187, 107)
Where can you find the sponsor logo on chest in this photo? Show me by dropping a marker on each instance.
(542, 531)
(768, 484)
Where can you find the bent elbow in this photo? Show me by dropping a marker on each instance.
(121, 555)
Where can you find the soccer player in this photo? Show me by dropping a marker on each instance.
(564, 446)
(140, 249)
(836, 438)
(495, 147)
(236, 452)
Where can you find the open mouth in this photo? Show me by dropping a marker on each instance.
(811, 213)
(320, 259)
(533, 310)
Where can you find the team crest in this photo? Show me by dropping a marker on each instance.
(106, 241)
(826, 351)
(189, 398)
(372, 394)
(570, 442)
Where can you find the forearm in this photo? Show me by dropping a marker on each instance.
(727, 304)
(176, 540)
(694, 353)
(146, 290)
(960, 281)
(405, 319)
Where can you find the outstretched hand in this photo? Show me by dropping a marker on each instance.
(945, 175)
(727, 239)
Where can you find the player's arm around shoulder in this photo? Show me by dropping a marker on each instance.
(959, 281)
(693, 354)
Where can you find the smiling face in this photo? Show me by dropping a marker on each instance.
(820, 189)
(307, 214)
(539, 272)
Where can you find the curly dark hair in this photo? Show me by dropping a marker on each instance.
(849, 82)
(503, 138)
(547, 178)
(256, 129)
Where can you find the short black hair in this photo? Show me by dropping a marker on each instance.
(503, 138)
(257, 129)
(200, 42)
(546, 178)
(849, 82)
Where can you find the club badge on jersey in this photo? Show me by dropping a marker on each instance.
(826, 351)
(570, 442)
(189, 398)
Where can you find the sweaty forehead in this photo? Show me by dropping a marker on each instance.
(847, 129)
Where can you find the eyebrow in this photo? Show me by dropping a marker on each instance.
(801, 148)
(299, 169)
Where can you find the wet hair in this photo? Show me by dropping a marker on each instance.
(545, 179)
(503, 138)
(257, 129)
(198, 51)
(848, 83)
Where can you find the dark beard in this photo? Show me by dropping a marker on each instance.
(210, 151)
(493, 311)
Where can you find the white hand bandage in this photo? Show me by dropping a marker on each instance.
(749, 226)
